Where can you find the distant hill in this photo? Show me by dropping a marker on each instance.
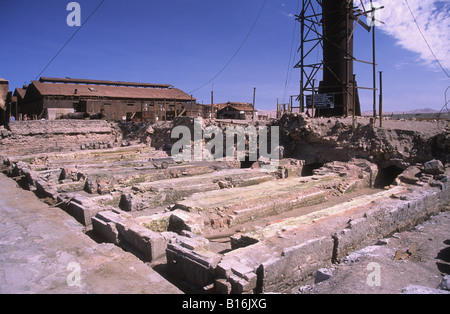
(269, 113)
(416, 111)
(273, 113)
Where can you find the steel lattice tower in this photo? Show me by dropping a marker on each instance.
(328, 27)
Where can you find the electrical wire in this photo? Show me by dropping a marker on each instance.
(71, 37)
(236, 53)
(426, 41)
(289, 69)
(442, 119)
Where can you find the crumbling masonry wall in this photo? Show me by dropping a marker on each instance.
(221, 228)
(40, 136)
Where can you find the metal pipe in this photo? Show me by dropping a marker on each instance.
(302, 53)
(374, 67)
(381, 99)
(337, 54)
(354, 98)
(313, 96)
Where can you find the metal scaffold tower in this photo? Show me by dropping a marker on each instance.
(327, 35)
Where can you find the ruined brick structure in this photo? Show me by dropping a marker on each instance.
(218, 227)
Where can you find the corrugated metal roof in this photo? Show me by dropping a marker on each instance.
(238, 108)
(129, 92)
(103, 82)
(241, 106)
(20, 92)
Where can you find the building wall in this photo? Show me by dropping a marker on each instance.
(115, 110)
(4, 89)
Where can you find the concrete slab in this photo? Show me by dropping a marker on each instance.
(44, 250)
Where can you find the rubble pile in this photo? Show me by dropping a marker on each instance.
(311, 139)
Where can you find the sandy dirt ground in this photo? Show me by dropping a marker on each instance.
(414, 261)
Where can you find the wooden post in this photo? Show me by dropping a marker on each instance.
(254, 96)
(278, 109)
(212, 104)
(165, 110)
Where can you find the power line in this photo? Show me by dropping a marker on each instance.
(423, 36)
(67, 42)
(237, 51)
(289, 70)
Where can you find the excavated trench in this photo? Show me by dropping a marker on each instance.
(231, 227)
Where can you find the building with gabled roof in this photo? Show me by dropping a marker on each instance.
(52, 98)
(235, 110)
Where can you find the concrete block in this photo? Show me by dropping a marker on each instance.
(295, 264)
(44, 190)
(181, 220)
(197, 243)
(222, 286)
(197, 267)
(242, 278)
(30, 175)
(148, 244)
(83, 213)
(106, 230)
(240, 285)
(78, 211)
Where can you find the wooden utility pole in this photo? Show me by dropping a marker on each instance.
(212, 102)
(254, 97)
(278, 109)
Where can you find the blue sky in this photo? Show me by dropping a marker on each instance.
(187, 42)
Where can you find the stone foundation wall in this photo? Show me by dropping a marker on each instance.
(304, 249)
(41, 136)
